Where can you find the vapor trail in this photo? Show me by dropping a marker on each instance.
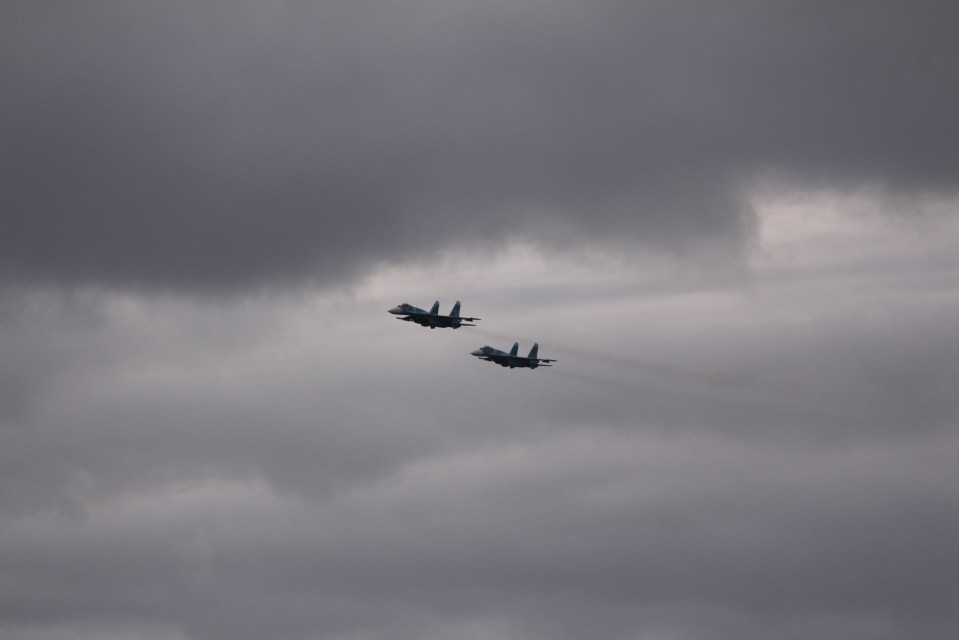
(786, 395)
(600, 380)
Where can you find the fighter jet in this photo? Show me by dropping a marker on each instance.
(510, 359)
(431, 318)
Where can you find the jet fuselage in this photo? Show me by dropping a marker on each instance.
(431, 318)
(511, 360)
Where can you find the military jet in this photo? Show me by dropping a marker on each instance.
(510, 359)
(432, 318)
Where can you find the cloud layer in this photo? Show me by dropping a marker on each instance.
(200, 145)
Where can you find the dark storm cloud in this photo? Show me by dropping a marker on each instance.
(218, 145)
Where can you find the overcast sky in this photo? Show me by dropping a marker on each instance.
(735, 225)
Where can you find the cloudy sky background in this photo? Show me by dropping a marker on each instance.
(735, 225)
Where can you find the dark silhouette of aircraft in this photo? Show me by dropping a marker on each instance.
(510, 359)
(432, 318)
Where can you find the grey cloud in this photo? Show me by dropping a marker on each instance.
(308, 467)
(214, 146)
(536, 540)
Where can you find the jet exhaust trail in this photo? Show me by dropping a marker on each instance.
(790, 396)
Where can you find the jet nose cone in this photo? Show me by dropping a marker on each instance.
(396, 310)
(477, 352)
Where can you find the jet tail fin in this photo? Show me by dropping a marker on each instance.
(515, 349)
(534, 352)
(436, 308)
(455, 313)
